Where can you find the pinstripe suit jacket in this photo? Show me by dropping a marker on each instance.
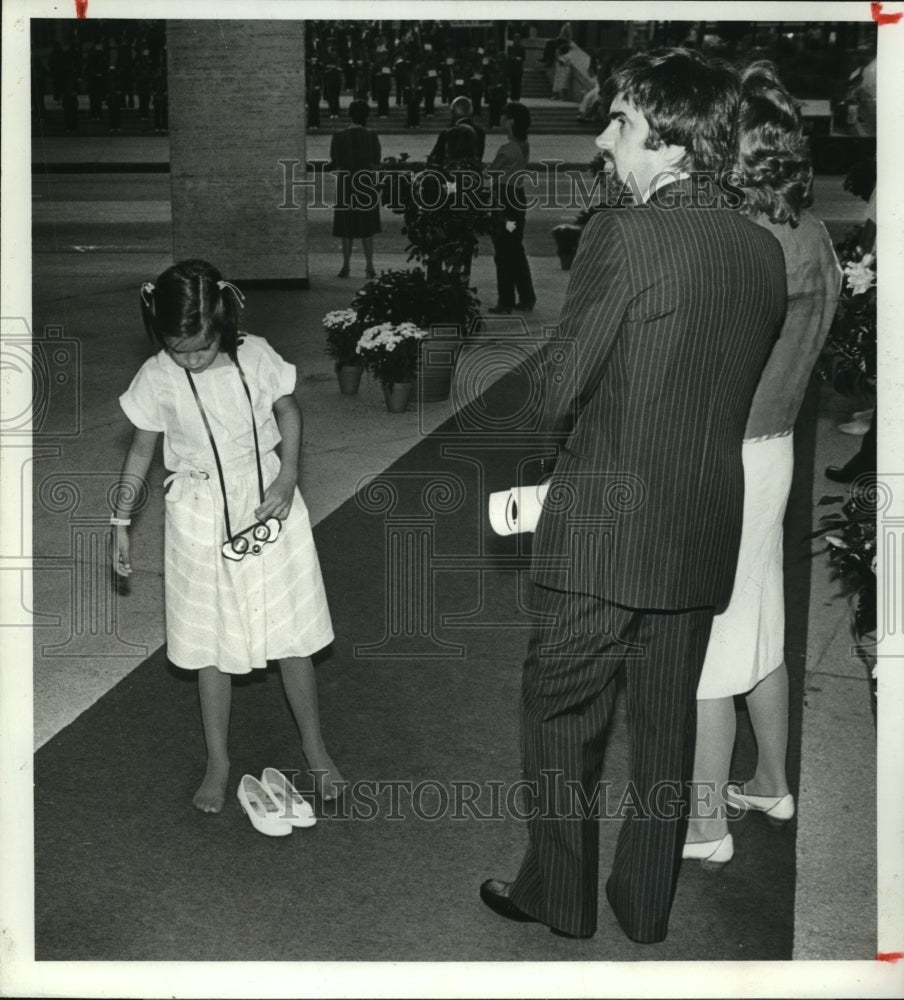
(669, 316)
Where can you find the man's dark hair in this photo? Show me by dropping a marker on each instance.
(520, 117)
(687, 101)
(358, 111)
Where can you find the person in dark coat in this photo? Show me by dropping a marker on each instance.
(313, 91)
(512, 269)
(461, 112)
(382, 77)
(672, 307)
(514, 66)
(495, 84)
(332, 82)
(430, 80)
(354, 154)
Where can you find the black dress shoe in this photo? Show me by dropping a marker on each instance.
(500, 310)
(496, 896)
(845, 473)
(526, 306)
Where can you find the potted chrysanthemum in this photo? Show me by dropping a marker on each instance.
(389, 352)
(343, 331)
(567, 236)
(443, 305)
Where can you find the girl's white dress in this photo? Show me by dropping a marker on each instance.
(219, 612)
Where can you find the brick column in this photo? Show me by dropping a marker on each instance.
(236, 108)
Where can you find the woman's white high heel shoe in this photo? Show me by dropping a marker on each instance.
(712, 854)
(293, 808)
(262, 809)
(777, 809)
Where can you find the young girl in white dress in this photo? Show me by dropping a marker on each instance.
(235, 598)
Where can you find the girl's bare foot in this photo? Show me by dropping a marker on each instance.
(211, 796)
(328, 781)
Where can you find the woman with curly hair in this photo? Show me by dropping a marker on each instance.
(746, 648)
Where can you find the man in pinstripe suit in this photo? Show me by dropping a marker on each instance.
(672, 308)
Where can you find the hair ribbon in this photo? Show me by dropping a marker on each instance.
(239, 297)
(147, 290)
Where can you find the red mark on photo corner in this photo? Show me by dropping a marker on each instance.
(81, 8)
(889, 956)
(880, 18)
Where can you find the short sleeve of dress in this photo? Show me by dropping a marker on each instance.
(140, 402)
(274, 376)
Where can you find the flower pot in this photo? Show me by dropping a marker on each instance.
(397, 396)
(566, 260)
(349, 377)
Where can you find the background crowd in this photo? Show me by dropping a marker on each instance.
(118, 63)
(412, 64)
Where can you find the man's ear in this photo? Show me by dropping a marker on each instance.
(674, 156)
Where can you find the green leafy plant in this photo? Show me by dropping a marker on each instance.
(445, 211)
(398, 296)
(851, 546)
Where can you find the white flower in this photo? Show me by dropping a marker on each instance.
(511, 226)
(860, 276)
(387, 336)
(339, 319)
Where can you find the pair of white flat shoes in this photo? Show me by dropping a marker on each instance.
(715, 854)
(273, 804)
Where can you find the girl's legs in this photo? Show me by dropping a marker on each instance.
(368, 243)
(215, 690)
(716, 726)
(300, 684)
(767, 704)
(346, 255)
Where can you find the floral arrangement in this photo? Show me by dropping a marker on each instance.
(390, 351)
(401, 296)
(849, 357)
(851, 539)
(342, 334)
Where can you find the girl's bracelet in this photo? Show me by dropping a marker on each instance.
(120, 522)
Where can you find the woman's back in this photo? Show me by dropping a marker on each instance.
(354, 148)
(814, 282)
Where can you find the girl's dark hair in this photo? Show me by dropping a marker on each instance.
(358, 111)
(773, 156)
(520, 117)
(187, 301)
(687, 101)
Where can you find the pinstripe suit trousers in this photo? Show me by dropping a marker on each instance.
(568, 692)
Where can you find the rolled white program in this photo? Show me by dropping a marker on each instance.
(517, 510)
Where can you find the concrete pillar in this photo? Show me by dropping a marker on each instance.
(236, 108)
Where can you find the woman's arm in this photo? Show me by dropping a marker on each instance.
(134, 472)
(281, 492)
